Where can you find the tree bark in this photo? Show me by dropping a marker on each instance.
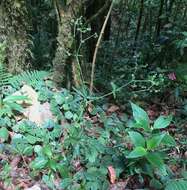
(139, 20)
(66, 67)
(159, 20)
(16, 25)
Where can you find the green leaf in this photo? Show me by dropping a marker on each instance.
(31, 139)
(155, 141)
(52, 164)
(38, 149)
(156, 184)
(63, 170)
(155, 159)
(12, 98)
(162, 122)
(59, 98)
(47, 151)
(39, 163)
(66, 182)
(176, 185)
(4, 134)
(140, 116)
(168, 140)
(68, 115)
(137, 152)
(137, 139)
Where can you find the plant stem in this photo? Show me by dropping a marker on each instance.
(97, 46)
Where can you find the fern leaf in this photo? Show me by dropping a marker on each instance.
(28, 77)
(177, 185)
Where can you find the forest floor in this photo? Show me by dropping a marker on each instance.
(30, 155)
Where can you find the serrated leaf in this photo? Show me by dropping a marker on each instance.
(137, 152)
(162, 122)
(155, 141)
(137, 139)
(140, 116)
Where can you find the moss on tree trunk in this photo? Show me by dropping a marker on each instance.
(16, 25)
(66, 67)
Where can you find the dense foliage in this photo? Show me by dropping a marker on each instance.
(93, 94)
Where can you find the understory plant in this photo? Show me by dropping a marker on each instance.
(150, 142)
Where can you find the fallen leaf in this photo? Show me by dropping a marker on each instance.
(119, 185)
(112, 174)
(35, 187)
(113, 109)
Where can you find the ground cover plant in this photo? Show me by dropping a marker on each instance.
(93, 95)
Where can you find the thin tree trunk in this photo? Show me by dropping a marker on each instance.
(139, 20)
(159, 20)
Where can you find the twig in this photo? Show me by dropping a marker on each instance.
(97, 46)
(99, 12)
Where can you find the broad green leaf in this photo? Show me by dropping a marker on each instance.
(137, 152)
(155, 159)
(28, 150)
(39, 163)
(31, 139)
(168, 140)
(63, 170)
(52, 164)
(140, 116)
(156, 184)
(162, 122)
(155, 141)
(4, 134)
(47, 151)
(137, 139)
(38, 149)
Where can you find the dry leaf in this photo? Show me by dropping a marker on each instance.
(35, 187)
(119, 185)
(112, 174)
(113, 109)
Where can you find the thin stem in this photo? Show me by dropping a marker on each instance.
(97, 46)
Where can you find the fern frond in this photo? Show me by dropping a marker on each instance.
(28, 77)
(5, 77)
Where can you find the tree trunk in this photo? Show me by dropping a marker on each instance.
(16, 26)
(159, 20)
(139, 20)
(66, 66)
